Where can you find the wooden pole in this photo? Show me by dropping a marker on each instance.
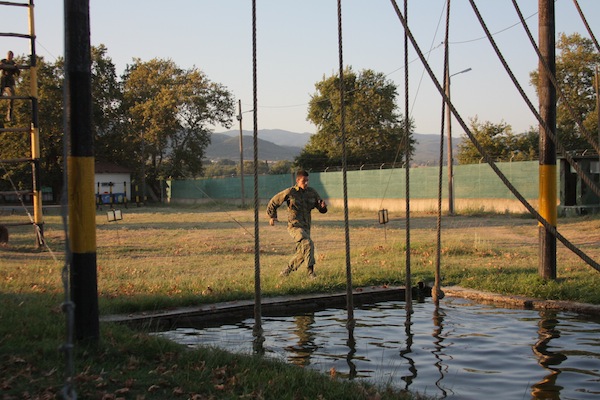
(80, 169)
(35, 134)
(547, 171)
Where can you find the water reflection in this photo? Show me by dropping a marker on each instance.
(305, 345)
(406, 351)
(547, 388)
(461, 350)
(438, 347)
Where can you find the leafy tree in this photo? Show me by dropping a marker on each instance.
(221, 168)
(169, 112)
(50, 123)
(374, 128)
(281, 167)
(500, 143)
(575, 66)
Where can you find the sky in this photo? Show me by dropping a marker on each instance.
(297, 46)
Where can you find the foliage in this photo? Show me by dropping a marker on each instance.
(575, 67)
(500, 143)
(155, 120)
(281, 167)
(226, 167)
(373, 128)
(169, 112)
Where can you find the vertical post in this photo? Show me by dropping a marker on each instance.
(547, 171)
(35, 134)
(239, 117)
(80, 169)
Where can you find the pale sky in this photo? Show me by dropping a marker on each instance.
(297, 45)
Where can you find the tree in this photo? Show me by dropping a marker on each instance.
(500, 143)
(51, 127)
(374, 128)
(575, 66)
(169, 112)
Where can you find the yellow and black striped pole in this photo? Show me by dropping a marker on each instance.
(35, 134)
(547, 172)
(80, 170)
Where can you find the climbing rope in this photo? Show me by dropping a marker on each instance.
(587, 26)
(436, 292)
(407, 284)
(349, 299)
(484, 153)
(257, 330)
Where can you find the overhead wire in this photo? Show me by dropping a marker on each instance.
(484, 154)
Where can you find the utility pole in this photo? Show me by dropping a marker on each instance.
(239, 118)
(547, 171)
(449, 134)
(598, 102)
(80, 167)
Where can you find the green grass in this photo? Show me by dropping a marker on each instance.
(163, 257)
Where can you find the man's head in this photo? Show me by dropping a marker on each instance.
(10, 55)
(302, 179)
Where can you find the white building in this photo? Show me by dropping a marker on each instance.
(112, 179)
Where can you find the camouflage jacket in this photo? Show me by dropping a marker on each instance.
(300, 204)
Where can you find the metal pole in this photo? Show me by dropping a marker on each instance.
(449, 134)
(547, 171)
(450, 157)
(80, 167)
(598, 103)
(239, 118)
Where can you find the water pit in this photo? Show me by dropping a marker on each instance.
(461, 350)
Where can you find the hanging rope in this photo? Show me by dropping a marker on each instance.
(349, 299)
(407, 284)
(484, 153)
(257, 330)
(437, 292)
(587, 26)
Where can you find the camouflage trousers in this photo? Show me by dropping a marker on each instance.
(305, 248)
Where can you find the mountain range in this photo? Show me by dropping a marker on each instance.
(277, 144)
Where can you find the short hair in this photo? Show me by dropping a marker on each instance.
(300, 173)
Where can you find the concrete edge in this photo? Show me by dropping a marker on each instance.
(207, 314)
(522, 301)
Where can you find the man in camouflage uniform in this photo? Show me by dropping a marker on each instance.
(301, 199)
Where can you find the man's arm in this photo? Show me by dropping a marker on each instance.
(275, 202)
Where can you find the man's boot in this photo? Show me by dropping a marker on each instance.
(311, 272)
(286, 271)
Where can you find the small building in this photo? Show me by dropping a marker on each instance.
(576, 197)
(113, 183)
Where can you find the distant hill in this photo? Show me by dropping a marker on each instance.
(277, 144)
(224, 146)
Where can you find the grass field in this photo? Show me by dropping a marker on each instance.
(165, 257)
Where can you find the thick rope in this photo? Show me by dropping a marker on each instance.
(436, 292)
(408, 283)
(485, 155)
(349, 299)
(587, 26)
(258, 330)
